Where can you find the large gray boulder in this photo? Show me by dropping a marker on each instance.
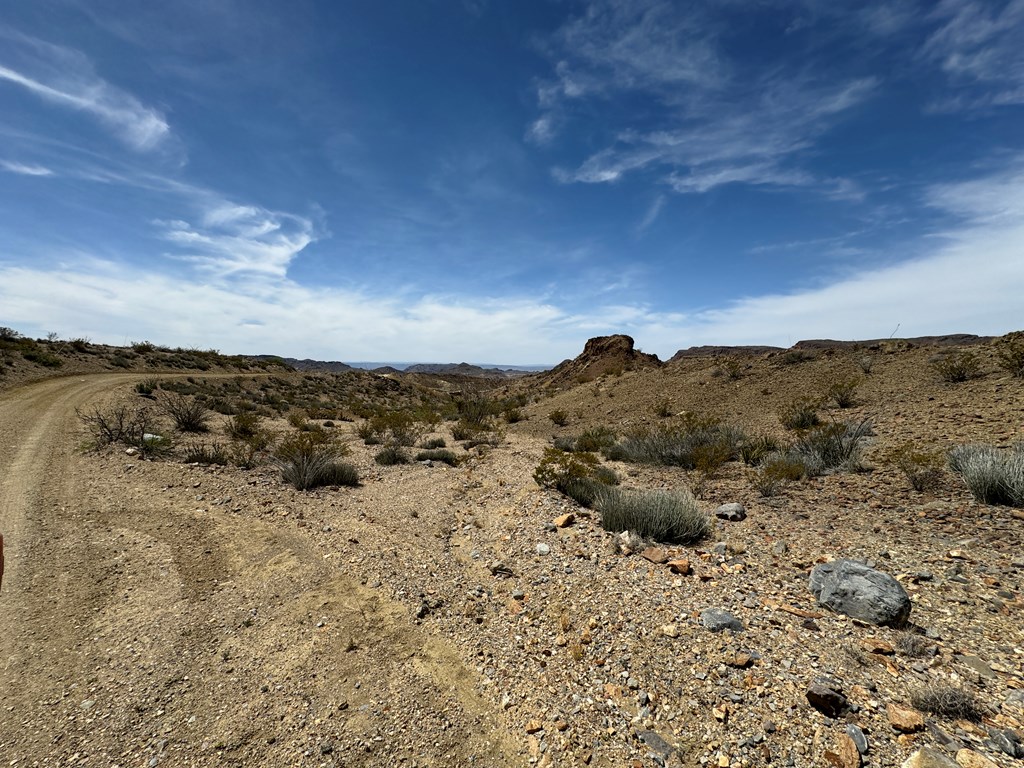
(849, 587)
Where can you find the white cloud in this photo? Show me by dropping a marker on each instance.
(25, 169)
(65, 77)
(652, 213)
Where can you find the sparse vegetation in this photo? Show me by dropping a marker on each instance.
(442, 455)
(391, 455)
(795, 357)
(947, 701)
(994, 476)
(923, 468)
(309, 460)
(753, 451)
(1010, 354)
(188, 414)
(956, 367)
(866, 364)
(118, 425)
(206, 453)
(801, 413)
(843, 393)
(703, 443)
(836, 446)
(668, 516)
(775, 471)
(42, 357)
(559, 417)
(432, 443)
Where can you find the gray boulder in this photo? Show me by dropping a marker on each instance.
(732, 512)
(852, 588)
(718, 619)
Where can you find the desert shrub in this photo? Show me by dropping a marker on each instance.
(775, 471)
(947, 701)
(1010, 355)
(147, 387)
(463, 431)
(913, 645)
(801, 413)
(244, 425)
(795, 357)
(668, 516)
(42, 357)
(695, 443)
(477, 412)
(866, 364)
(922, 468)
(310, 460)
(299, 419)
(565, 443)
(836, 446)
(432, 443)
(753, 451)
(994, 476)
(595, 439)
(203, 453)
(80, 344)
(143, 347)
(557, 467)
(8, 334)
(605, 475)
(120, 424)
(391, 455)
(559, 417)
(956, 367)
(843, 392)
(402, 428)
(120, 361)
(368, 433)
(438, 454)
(513, 415)
(663, 409)
(188, 414)
(733, 369)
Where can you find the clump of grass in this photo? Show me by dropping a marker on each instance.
(831, 447)
(913, 645)
(795, 357)
(753, 451)
(438, 454)
(310, 460)
(391, 455)
(956, 367)
(188, 414)
(147, 387)
(695, 443)
(666, 516)
(922, 468)
(244, 425)
(776, 470)
(947, 701)
(866, 364)
(203, 453)
(432, 443)
(663, 409)
(994, 476)
(844, 392)
(559, 417)
(801, 413)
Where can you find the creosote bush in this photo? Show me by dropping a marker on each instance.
(955, 367)
(802, 413)
(577, 475)
(188, 414)
(391, 455)
(1010, 354)
(442, 455)
(667, 516)
(843, 392)
(994, 476)
(559, 417)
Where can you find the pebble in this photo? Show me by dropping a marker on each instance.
(543, 549)
(719, 619)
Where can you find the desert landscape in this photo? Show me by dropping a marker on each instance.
(217, 560)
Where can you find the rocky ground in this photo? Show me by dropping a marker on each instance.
(188, 615)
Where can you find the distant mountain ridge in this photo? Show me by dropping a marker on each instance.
(449, 369)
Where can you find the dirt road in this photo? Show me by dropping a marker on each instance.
(138, 627)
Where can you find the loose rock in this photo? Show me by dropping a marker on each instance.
(827, 697)
(732, 512)
(926, 757)
(718, 619)
(854, 589)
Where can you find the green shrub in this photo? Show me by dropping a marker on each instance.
(596, 439)
(558, 467)
(310, 460)
(8, 334)
(201, 453)
(755, 450)
(391, 455)
(956, 367)
(696, 443)
(513, 415)
(922, 468)
(438, 454)
(831, 447)
(795, 357)
(244, 425)
(733, 369)
(434, 442)
(120, 361)
(188, 414)
(666, 516)
(801, 413)
(843, 392)
(42, 357)
(1011, 354)
(866, 364)
(559, 417)
(80, 344)
(994, 476)
(775, 471)
(147, 387)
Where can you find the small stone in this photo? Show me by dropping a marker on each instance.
(518, 594)
(679, 566)
(905, 719)
(780, 548)
(732, 512)
(875, 645)
(827, 697)
(656, 555)
(740, 660)
(543, 549)
(970, 759)
(564, 521)
(534, 725)
(718, 619)
(926, 757)
(670, 630)
(656, 743)
(855, 733)
(978, 666)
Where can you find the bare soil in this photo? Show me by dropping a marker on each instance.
(159, 613)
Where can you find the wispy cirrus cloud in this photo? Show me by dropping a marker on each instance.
(66, 78)
(25, 169)
(707, 120)
(978, 46)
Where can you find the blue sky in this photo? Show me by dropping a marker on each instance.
(500, 180)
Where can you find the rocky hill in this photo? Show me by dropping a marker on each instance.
(601, 355)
